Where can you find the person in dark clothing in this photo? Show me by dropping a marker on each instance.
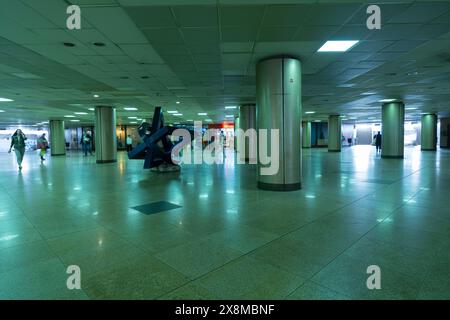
(18, 143)
(377, 139)
(86, 142)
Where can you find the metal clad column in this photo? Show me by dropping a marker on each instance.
(334, 133)
(57, 138)
(306, 134)
(247, 120)
(392, 138)
(105, 134)
(278, 94)
(429, 132)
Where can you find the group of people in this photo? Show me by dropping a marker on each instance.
(18, 143)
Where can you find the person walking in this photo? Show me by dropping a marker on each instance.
(18, 143)
(86, 143)
(377, 139)
(129, 143)
(42, 144)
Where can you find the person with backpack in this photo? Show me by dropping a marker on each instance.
(42, 144)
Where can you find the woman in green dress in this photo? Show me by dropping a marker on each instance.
(18, 142)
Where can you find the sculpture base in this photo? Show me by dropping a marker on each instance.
(165, 167)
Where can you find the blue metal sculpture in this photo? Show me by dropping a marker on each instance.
(156, 147)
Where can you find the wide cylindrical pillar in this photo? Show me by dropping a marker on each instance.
(57, 139)
(278, 95)
(393, 119)
(334, 133)
(306, 134)
(105, 134)
(247, 120)
(428, 131)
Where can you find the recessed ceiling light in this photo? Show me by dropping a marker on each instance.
(133, 122)
(2, 110)
(230, 107)
(69, 116)
(177, 114)
(386, 100)
(81, 113)
(75, 120)
(411, 108)
(5, 100)
(229, 116)
(96, 96)
(132, 117)
(368, 93)
(202, 114)
(92, 109)
(317, 120)
(178, 102)
(310, 112)
(337, 46)
(130, 108)
(172, 111)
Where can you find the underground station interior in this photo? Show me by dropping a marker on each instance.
(221, 149)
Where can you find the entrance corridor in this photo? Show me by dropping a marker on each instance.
(228, 239)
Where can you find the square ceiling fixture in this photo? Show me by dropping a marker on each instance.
(5, 100)
(337, 46)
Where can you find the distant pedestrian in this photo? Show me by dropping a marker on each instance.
(222, 143)
(42, 144)
(129, 143)
(86, 142)
(377, 139)
(18, 143)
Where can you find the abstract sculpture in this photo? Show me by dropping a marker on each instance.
(156, 147)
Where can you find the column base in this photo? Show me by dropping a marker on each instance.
(432, 149)
(279, 187)
(58, 155)
(392, 157)
(106, 161)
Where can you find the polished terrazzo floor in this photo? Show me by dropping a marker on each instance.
(228, 240)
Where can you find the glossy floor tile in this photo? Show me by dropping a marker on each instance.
(226, 239)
